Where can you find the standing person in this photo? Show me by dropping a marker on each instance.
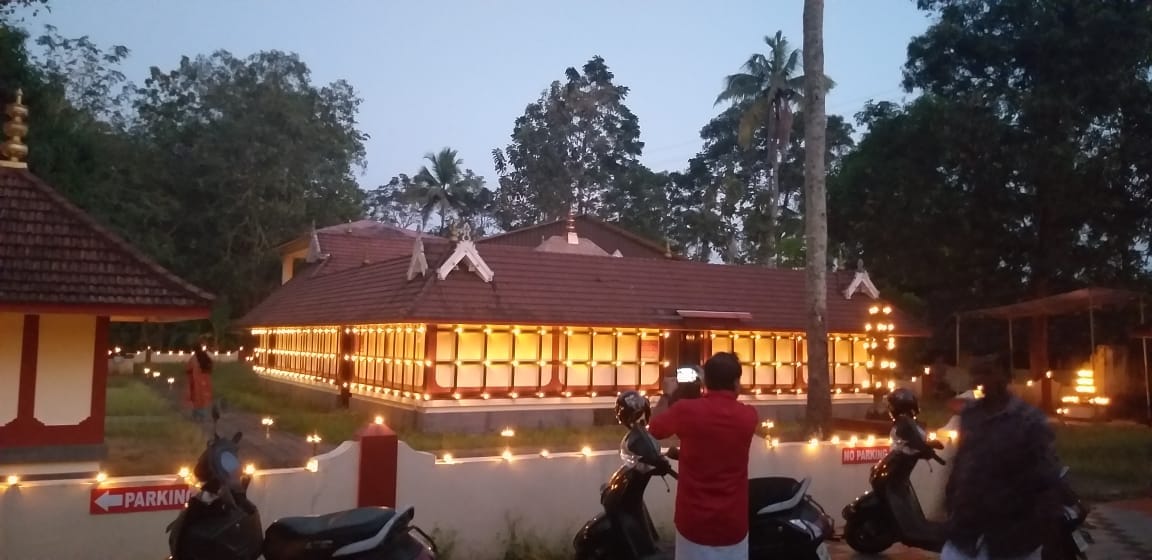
(716, 434)
(1002, 496)
(199, 370)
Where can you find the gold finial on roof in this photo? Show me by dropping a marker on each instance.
(667, 249)
(15, 129)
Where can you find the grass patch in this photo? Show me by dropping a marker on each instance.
(1106, 460)
(143, 434)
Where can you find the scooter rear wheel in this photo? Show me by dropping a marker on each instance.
(869, 535)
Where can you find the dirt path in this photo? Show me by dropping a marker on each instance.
(267, 449)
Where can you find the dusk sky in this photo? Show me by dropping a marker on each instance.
(457, 73)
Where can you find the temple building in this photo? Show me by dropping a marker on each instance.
(63, 279)
(545, 325)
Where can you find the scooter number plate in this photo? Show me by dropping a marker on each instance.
(822, 552)
(1081, 542)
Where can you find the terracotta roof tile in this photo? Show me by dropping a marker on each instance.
(607, 236)
(352, 251)
(52, 253)
(532, 287)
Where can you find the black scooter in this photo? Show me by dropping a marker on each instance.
(220, 523)
(785, 522)
(890, 512)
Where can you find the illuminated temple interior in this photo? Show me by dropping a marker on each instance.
(479, 362)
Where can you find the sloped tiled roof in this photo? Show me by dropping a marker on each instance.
(607, 236)
(53, 254)
(354, 244)
(532, 287)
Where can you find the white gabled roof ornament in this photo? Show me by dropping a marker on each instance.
(314, 254)
(418, 266)
(465, 249)
(861, 282)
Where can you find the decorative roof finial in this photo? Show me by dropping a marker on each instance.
(14, 150)
(573, 239)
(667, 249)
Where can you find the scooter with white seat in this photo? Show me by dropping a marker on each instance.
(220, 523)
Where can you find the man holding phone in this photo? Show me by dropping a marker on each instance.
(715, 434)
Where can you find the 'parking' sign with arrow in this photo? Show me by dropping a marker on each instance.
(133, 499)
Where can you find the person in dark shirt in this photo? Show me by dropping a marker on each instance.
(1002, 496)
(716, 434)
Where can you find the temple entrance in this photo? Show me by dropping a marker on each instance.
(691, 348)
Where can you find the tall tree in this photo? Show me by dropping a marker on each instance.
(440, 184)
(816, 218)
(253, 152)
(765, 93)
(395, 202)
(577, 142)
(445, 187)
(1032, 176)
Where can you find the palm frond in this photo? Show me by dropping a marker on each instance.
(757, 115)
(739, 87)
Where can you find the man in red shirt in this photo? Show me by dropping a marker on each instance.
(716, 434)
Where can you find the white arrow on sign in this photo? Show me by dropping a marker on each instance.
(108, 499)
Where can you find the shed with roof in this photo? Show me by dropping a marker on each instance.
(63, 279)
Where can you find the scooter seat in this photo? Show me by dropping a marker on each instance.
(290, 536)
(773, 494)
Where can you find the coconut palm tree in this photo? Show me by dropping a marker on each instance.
(438, 187)
(766, 91)
(819, 411)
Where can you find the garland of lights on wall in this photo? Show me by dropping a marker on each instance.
(881, 342)
(523, 361)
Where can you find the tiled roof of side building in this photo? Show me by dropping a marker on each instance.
(53, 253)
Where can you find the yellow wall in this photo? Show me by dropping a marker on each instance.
(472, 357)
(11, 340)
(472, 360)
(64, 369)
(307, 350)
(389, 356)
(288, 264)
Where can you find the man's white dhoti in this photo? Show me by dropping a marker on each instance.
(688, 550)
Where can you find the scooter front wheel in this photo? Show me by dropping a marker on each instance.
(869, 535)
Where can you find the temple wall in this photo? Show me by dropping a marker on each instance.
(11, 340)
(463, 362)
(64, 360)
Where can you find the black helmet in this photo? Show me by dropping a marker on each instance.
(902, 401)
(632, 407)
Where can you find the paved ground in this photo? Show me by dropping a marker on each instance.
(1122, 531)
(271, 449)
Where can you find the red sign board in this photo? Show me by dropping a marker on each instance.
(650, 349)
(862, 455)
(134, 499)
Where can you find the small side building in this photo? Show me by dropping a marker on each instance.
(63, 280)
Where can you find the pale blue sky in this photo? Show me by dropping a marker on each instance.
(458, 72)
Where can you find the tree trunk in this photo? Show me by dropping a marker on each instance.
(816, 219)
(770, 250)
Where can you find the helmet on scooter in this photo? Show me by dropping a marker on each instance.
(902, 401)
(632, 407)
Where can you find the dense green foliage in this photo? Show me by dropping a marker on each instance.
(1022, 165)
